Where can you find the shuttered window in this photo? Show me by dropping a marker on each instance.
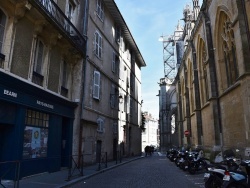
(96, 87)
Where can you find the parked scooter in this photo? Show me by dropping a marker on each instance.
(237, 178)
(189, 156)
(214, 176)
(180, 158)
(172, 154)
(197, 163)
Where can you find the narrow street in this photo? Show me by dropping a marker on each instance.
(152, 171)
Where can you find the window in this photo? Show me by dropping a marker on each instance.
(96, 89)
(38, 63)
(115, 63)
(114, 97)
(35, 134)
(127, 104)
(70, 15)
(2, 28)
(202, 64)
(100, 9)
(64, 79)
(100, 125)
(227, 52)
(117, 33)
(98, 44)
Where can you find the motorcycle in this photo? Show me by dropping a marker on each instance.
(172, 154)
(213, 178)
(180, 158)
(189, 156)
(198, 163)
(237, 178)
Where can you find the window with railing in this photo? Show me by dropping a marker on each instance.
(62, 20)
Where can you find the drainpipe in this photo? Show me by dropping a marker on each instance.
(85, 26)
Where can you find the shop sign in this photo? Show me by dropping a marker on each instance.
(9, 93)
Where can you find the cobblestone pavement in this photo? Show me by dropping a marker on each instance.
(154, 171)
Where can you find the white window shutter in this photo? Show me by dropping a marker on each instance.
(96, 87)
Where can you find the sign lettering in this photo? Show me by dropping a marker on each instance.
(45, 104)
(9, 93)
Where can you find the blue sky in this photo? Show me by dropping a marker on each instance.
(147, 21)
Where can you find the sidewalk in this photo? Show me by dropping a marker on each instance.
(59, 179)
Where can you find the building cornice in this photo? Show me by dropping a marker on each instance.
(117, 16)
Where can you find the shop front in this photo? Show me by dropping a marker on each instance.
(36, 129)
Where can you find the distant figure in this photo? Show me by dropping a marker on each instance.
(152, 149)
(147, 150)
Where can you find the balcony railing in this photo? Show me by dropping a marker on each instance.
(57, 17)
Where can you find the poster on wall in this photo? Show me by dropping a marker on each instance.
(35, 142)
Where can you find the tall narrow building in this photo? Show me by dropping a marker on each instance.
(111, 108)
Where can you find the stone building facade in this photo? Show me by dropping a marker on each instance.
(61, 98)
(111, 108)
(42, 51)
(213, 80)
(150, 135)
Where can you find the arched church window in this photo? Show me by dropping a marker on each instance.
(190, 85)
(202, 64)
(228, 47)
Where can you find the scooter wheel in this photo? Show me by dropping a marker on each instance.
(191, 170)
(213, 182)
(235, 185)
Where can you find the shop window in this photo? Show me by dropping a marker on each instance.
(35, 134)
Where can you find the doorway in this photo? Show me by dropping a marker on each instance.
(65, 142)
(98, 150)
